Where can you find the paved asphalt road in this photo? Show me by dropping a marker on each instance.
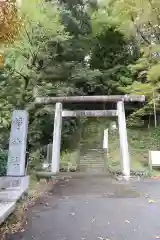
(92, 208)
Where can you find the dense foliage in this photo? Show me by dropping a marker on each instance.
(3, 162)
(76, 48)
(141, 21)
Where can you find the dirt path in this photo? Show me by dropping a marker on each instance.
(90, 208)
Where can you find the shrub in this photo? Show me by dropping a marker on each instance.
(3, 162)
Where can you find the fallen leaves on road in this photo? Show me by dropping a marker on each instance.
(101, 238)
(46, 204)
(22, 230)
(127, 221)
(17, 221)
(93, 220)
(73, 213)
(152, 201)
(67, 180)
(155, 177)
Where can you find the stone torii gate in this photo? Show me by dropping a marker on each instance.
(119, 112)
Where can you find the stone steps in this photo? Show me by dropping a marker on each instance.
(91, 153)
(89, 146)
(96, 170)
(91, 160)
(95, 161)
(92, 164)
(92, 170)
(89, 166)
(92, 156)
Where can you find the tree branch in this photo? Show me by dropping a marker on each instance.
(157, 35)
(22, 75)
(140, 33)
(155, 10)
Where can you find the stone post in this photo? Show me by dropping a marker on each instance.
(56, 138)
(105, 140)
(125, 158)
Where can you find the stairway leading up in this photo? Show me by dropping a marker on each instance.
(91, 153)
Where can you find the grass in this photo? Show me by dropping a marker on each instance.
(69, 159)
(140, 142)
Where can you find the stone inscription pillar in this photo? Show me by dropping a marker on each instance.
(17, 144)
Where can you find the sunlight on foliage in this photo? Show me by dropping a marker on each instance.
(44, 15)
(154, 74)
(101, 20)
(10, 21)
(138, 88)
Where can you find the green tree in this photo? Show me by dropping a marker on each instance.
(43, 62)
(111, 51)
(24, 60)
(140, 20)
(64, 48)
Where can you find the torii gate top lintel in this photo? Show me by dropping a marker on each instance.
(101, 98)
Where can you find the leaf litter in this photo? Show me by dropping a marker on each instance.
(152, 201)
(103, 238)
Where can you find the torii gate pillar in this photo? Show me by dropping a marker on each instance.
(56, 138)
(124, 151)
